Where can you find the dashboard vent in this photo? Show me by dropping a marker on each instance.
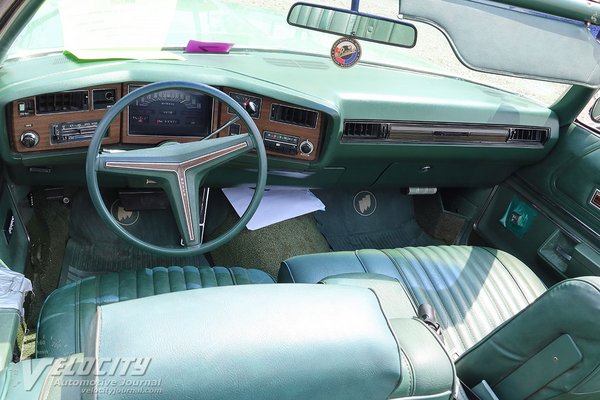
(60, 102)
(294, 116)
(282, 62)
(528, 135)
(366, 130)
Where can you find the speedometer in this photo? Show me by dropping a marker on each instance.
(170, 113)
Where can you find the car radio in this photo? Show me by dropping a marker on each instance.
(72, 131)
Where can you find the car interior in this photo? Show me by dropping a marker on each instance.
(429, 236)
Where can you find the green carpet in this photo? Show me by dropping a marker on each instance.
(94, 249)
(388, 220)
(265, 248)
(48, 232)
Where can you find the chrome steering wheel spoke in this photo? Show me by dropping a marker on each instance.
(179, 168)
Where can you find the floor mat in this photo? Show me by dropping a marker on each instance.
(94, 249)
(375, 219)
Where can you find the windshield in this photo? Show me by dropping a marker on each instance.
(152, 25)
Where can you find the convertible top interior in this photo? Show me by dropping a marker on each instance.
(409, 209)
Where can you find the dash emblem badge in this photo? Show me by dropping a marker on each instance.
(123, 216)
(345, 52)
(365, 203)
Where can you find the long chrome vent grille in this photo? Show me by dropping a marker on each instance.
(423, 132)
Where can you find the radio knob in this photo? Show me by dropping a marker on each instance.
(29, 139)
(306, 147)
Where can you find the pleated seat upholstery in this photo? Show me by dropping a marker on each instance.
(472, 289)
(68, 311)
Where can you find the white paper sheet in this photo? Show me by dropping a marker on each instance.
(99, 24)
(278, 204)
(13, 288)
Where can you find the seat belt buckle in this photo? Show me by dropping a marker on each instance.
(426, 313)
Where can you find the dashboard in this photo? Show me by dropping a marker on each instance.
(68, 119)
(365, 126)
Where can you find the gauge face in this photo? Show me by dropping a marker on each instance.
(171, 113)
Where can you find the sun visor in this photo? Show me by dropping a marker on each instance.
(492, 37)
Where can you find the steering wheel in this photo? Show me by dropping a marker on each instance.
(179, 169)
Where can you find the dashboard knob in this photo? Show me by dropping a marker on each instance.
(251, 107)
(306, 147)
(29, 139)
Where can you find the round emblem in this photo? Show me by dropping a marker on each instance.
(365, 203)
(345, 52)
(123, 216)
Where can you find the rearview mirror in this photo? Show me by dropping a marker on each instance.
(350, 23)
(595, 111)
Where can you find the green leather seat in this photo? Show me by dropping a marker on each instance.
(472, 289)
(499, 322)
(67, 313)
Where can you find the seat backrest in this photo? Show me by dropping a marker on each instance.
(250, 342)
(549, 350)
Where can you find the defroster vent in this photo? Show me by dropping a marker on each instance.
(60, 102)
(366, 130)
(294, 116)
(528, 135)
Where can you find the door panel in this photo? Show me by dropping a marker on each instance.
(577, 182)
(563, 238)
(14, 240)
(569, 176)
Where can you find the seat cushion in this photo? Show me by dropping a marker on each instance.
(68, 311)
(472, 289)
(279, 342)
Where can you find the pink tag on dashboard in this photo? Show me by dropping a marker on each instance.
(196, 46)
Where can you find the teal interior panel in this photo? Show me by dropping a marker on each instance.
(525, 248)
(569, 176)
(14, 240)
(540, 369)
(552, 245)
(443, 173)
